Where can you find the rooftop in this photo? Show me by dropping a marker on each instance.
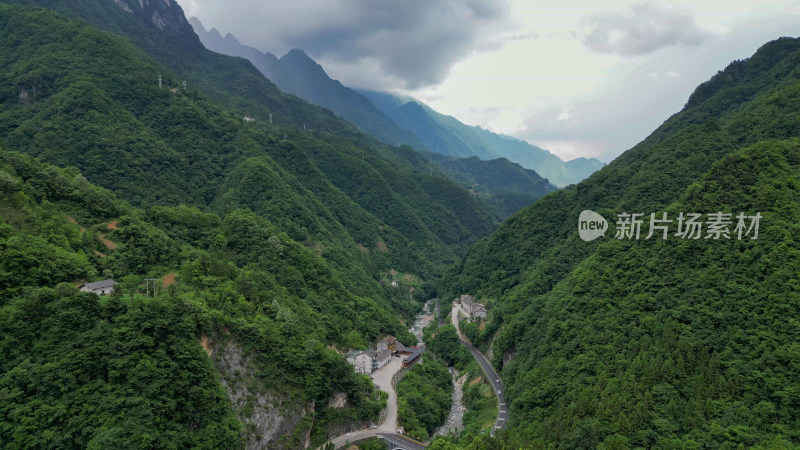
(99, 284)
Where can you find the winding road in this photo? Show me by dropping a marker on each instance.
(383, 379)
(487, 369)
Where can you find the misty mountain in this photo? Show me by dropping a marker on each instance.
(298, 74)
(448, 136)
(395, 120)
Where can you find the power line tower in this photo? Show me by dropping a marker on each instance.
(159, 81)
(151, 286)
(270, 118)
(184, 85)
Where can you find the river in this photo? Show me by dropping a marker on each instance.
(454, 422)
(423, 319)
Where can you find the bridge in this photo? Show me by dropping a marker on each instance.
(393, 441)
(399, 441)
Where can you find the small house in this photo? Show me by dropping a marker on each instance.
(387, 343)
(412, 358)
(104, 287)
(381, 359)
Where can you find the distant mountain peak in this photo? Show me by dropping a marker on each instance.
(297, 52)
(298, 57)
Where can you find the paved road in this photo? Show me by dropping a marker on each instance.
(383, 379)
(454, 320)
(488, 371)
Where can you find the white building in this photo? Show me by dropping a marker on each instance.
(368, 361)
(99, 287)
(361, 360)
(475, 310)
(381, 359)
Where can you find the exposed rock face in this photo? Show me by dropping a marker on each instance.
(338, 401)
(508, 356)
(271, 419)
(164, 15)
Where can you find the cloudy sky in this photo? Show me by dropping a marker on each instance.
(579, 78)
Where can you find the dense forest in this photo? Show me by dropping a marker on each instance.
(423, 398)
(366, 207)
(253, 238)
(239, 278)
(506, 186)
(268, 244)
(660, 343)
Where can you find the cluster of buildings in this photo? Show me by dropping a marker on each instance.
(368, 361)
(475, 310)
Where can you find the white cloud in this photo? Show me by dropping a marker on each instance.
(518, 70)
(642, 29)
(411, 42)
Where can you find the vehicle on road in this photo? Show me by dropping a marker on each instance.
(372, 427)
(348, 434)
(499, 392)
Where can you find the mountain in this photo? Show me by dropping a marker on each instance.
(392, 119)
(300, 75)
(660, 343)
(172, 146)
(507, 186)
(280, 237)
(446, 135)
(160, 30)
(129, 370)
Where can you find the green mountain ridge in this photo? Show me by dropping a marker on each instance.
(408, 121)
(659, 343)
(507, 186)
(120, 129)
(279, 238)
(446, 135)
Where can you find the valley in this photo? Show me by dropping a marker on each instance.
(203, 245)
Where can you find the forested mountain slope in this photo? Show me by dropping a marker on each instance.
(660, 343)
(128, 370)
(278, 237)
(505, 185)
(76, 96)
(160, 29)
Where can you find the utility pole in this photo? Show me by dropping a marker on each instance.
(150, 286)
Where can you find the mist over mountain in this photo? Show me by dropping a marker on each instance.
(395, 120)
(298, 74)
